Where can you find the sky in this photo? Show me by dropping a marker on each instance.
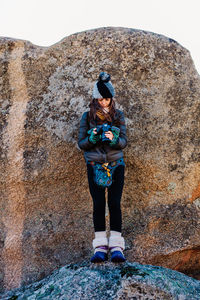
(46, 22)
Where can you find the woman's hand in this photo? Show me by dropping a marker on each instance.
(115, 132)
(94, 137)
(109, 135)
(95, 130)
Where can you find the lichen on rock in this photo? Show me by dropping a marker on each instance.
(109, 281)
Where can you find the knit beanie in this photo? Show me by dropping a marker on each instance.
(103, 87)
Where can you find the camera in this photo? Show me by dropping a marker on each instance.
(101, 129)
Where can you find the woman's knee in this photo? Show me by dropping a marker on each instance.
(114, 205)
(99, 206)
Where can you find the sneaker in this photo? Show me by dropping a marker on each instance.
(117, 256)
(99, 257)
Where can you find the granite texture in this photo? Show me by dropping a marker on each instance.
(108, 281)
(45, 205)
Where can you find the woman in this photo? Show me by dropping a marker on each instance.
(102, 136)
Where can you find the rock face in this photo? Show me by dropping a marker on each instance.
(46, 209)
(106, 281)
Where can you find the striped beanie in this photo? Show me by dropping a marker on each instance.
(103, 87)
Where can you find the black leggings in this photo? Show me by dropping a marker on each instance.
(114, 198)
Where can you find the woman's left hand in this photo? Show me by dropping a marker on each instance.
(109, 135)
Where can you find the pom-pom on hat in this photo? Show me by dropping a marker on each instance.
(103, 87)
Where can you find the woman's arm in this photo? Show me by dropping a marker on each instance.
(122, 141)
(83, 138)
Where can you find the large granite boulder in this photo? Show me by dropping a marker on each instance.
(106, 281)
(46, 209)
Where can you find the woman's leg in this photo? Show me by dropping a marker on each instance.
(99, 201)
(100, 242)
(114, 199)
(116, 242)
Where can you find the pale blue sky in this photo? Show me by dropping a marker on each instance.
(45, 22)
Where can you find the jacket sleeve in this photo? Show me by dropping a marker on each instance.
(122, 141)
(83, 138)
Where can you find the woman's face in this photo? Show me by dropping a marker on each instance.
(104, 102)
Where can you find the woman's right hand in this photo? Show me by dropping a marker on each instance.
(94, 137)
(95, 130)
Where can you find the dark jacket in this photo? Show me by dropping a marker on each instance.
(101, 152)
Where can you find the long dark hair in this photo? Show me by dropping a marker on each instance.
(95, 106)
